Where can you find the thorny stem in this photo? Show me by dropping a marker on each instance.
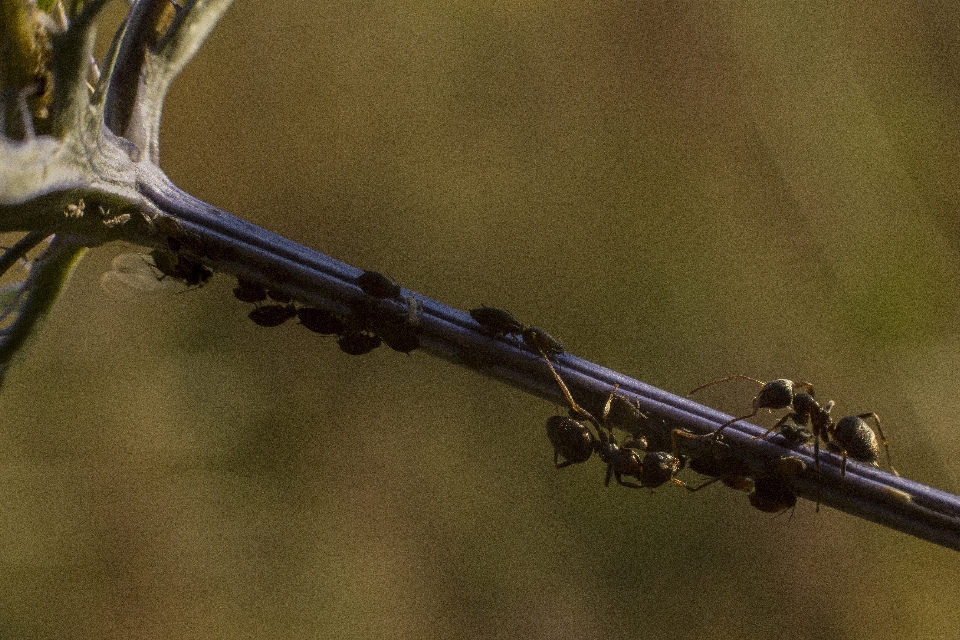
(234, 246)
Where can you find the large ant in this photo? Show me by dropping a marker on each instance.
(776, 394)
(851, 436)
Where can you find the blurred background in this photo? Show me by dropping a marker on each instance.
(679, 191)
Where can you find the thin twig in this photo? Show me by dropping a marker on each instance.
(232, 245)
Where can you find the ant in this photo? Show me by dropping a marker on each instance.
(853, 437)
(776, 394)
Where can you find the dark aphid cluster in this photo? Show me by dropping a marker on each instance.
(383, 318)
(497, 322)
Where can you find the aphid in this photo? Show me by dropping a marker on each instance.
(497, 321)
(392, 325)
(796, 434)
(772, 495)
(357, 343)
(853, 437)
(249, 291)
(623, 414)
(320, 321)
(776, 394)
(710, 456)
(279, 296)
(179, 267)
(167, 226)
(272, 315)
(539, 340)
(571, 439)
(377, 285)
(399, 337)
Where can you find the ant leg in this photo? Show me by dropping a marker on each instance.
(733, 377)
(580, 411)
(629, 485)
(606, 407)
(682, 434)
(883, 438)
(683, 484)
(776, 427)
(557, 463)
(730, 422)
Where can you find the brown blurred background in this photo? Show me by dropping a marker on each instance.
(678, 191)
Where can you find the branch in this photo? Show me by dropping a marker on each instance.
(231, 245)
(145, 60)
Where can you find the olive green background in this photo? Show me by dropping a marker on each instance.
(679, 191)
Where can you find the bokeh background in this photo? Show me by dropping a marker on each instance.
(679, 191)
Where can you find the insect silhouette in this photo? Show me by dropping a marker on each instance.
(711, 456)
(249, 291)
(497, 321)
(358, 343)
(177, 266)
(272, 315)
(321, 321)
(772, 494)
(539, 340)
(377, 285)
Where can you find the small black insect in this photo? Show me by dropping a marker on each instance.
(279, 296)
(772, 495)
(571, 439)
(377, 285)
(357, 343)
(539, 340)
(320, 321)
(272, 315)
(795, 433)
(711, 456)
(497, 321)
(179, 267)
(249, 291)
